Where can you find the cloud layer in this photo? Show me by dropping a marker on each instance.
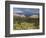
(26, 11)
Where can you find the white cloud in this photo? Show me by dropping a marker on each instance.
(17, 11)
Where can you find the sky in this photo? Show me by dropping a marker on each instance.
(26, 11)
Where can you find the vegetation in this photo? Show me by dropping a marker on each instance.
(24, 23)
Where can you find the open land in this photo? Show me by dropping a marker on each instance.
(25, 23)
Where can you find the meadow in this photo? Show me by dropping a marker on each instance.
(25, 23)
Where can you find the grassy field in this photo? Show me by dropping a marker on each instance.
(24, 23)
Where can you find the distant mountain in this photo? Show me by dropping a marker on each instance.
(34, 16)
(21, 15)
(25, 14)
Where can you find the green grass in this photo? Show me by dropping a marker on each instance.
(25, 23)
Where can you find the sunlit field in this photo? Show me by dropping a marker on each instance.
(25, 23)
